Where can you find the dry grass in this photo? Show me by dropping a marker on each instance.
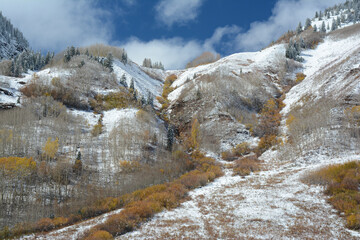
(342, 185)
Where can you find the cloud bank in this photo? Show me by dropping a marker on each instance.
(175, 53)
(171, 12)
(286, 15)
(49, 24)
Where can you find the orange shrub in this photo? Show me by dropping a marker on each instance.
(265, 143)
(193, 179)
(59, 221)
(100, 235)
(165, 199)
(118, 224)
(300, 77)
(342, 182)
(45, 224)
(246, 165)
(228, 156)
(241, 149)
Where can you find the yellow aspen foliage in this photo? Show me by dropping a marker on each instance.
(50, 148)
(270, 117)
(195, 134)
(17, 164)
(300, 77)
(289, 120)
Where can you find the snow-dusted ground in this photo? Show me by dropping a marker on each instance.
(234, 65)
(327, 69)
(72, 232)
(272, 204)
(143, 82)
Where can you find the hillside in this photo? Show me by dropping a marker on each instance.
(12, 41)
(275, 203)
(256, 145)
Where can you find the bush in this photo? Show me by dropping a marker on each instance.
(100, 235)
(45, 224)
(265, 143)
(241, 149)
(118, 224)
(300, 77)
(246, 165)
(342, 183)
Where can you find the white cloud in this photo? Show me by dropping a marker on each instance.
(286, 15)
(170, 12)
(175, 53)
(130, 2)
(56, 24)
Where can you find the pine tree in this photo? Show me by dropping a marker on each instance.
(328, 26)
(150, 99)
(323, 27)
(315, 28)
(108, 62)
(299, 29)
(132, 84)
(338, 22)
(72, 51)
(307, 23)
(170, 138)
(320, 16)
(123, 81)
(143, 100)
(124, 58)
(334, 25)
(316, 14)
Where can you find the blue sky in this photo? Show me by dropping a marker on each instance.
(171, 31)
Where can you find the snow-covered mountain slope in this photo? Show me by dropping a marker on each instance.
(12, 41)
(232, 66)
(332, 69)
(275, 203)
(225, 95)
(9, 91)
(142, 81)
(272, 204)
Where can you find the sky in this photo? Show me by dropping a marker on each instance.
(171, 31)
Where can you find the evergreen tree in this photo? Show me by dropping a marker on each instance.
(299, 29)
(123, 81)
(316, 14)
(320, 16)
(328, 26)
(150, 99)
(72, 51)
(315, 28)
(323, 27)
(132, 84)
(108, 62)
(143, 100)
(67, 56)
(307, 23)
(124, 58)
(170, 138)
(338, 22)
(334, 25)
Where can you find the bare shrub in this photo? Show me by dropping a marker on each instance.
(246, 165)
(204, 58)
(5, 68)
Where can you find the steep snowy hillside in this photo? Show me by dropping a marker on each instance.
(12, 41)
(225, 95)
(275, 203)
(332, 69)
(142, 81)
